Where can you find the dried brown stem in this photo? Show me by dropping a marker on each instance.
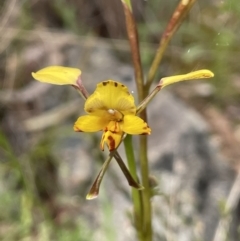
(180, 12)
(134, 45)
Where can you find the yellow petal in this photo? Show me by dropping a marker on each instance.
(111, 139)
(134, 125)
(200, 74)
(58, 75)
(113, 126)
(89, 123)
(113, 95)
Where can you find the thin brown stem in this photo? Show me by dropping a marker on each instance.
(127, 174)
(134, 45)
(179, 14)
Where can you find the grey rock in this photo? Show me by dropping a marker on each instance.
(190, 169)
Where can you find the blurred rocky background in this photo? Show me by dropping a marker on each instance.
(46, 169)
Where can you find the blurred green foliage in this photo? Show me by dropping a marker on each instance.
(25, 196)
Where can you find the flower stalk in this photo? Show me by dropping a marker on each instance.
(136, 195)
(134, 46)
(111, 109)
(144, 228)
(178, 16)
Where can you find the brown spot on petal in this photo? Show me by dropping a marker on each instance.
(75, 128)
(147, 130)
(145, 133)
(111, 143)
(105, 83)
(115, 84)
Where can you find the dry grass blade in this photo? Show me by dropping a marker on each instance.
(9, 11)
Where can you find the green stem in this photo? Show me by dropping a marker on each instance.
(130, 156)
(136, 194)
(146, 193)
(145, 231)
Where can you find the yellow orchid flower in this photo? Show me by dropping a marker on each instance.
(111, 109)
(58, 75)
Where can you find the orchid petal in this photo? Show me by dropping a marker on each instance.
(111, 139)
(200, 74)
(89, 123)
(134, 125)
(58, 75)
(113, 95)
